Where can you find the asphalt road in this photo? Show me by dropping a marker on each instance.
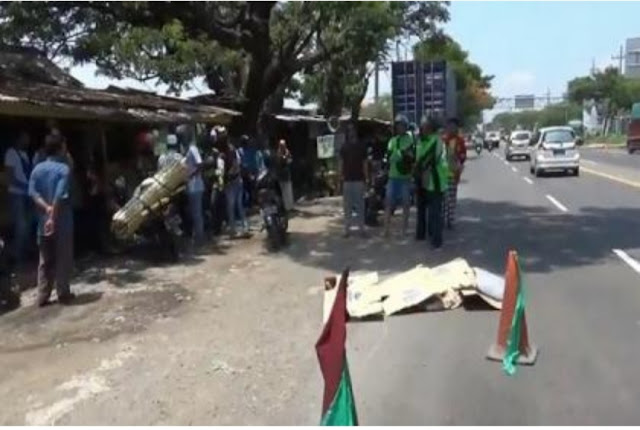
(583, 310)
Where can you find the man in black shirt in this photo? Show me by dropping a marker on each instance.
(353, 165)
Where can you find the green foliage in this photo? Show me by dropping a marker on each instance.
(613, 92)
(555, 114)
(342, 80)
(472, 85)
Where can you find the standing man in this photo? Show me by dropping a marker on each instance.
(432, 175)
(49, 189)
(400, 156)
(16, 161)
(172, 154)
(195, 192)
(353, 165)
(233, 189)
(283, 164)
(249, 158)
(456, 156)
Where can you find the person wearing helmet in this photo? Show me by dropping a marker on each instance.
(400, 155)
(432, 176)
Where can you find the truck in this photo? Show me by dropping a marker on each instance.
(633, 129)
(423, 89)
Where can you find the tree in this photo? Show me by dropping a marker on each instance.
(250, 50)
(343, 79)
(554, 114)
(472, 85)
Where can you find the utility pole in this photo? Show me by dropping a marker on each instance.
(593, 66)
(619, 57)
(548, 96)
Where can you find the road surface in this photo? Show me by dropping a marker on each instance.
(578, 242)
(228, 336)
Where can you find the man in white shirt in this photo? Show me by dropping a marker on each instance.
(172, 154)
(18, 168)
(195, 192)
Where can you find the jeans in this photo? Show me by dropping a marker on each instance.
(233, 193)
(20, 207)
(353, 199)
(196, 215)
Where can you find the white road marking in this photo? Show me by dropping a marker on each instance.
(527, 180)
(627, 259)
(557, 204)
(593, 163)
(514, 169)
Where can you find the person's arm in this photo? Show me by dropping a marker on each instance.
(12, 163)
(36, 197)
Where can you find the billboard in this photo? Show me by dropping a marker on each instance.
(525, 101)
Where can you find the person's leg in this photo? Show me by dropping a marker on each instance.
(347, 205)
(421, 215)
(453, 202)
(46, 269)
(358, 203)
(435, 218)
(388, 207)
(229, 193)
(240, 206)
(195, 212)
(64, 263)
(20, 226)
(406, 205)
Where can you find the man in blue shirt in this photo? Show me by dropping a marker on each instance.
(49, 189)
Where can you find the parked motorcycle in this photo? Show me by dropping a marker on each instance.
(274, 215)
(9, 297)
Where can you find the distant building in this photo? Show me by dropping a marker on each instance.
(632, 58)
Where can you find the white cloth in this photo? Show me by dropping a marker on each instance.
(19, 184)
(194, 159)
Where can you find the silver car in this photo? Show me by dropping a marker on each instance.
(554, 149)
(518, 145)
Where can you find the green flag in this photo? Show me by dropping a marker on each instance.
(338, 405)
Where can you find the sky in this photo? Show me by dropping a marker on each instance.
(530, 47)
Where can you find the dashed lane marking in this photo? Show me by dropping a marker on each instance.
(627, 259)
(593, 163)
(557, 204)
(527, 180)
(514, 169)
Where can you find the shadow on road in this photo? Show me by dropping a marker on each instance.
(485, 232)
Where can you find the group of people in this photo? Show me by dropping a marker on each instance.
(222, 180)
(423, 167)
(220, 188)
(43, 182)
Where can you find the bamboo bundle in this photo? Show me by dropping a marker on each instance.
(151, 195)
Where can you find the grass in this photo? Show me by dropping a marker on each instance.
(611, 140)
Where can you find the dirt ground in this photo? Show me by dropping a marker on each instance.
(226, 337)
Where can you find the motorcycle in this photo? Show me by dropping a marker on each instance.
(375, 198)
(478, 146)
(9, 297)
(274, 215)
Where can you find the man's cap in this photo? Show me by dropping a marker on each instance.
(401, 119)
(172, 140)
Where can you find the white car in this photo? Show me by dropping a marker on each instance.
(518, 145)
(555, 149)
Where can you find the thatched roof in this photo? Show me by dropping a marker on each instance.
(31, 85)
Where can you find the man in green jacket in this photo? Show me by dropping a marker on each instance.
(432, 178)
(400, 154)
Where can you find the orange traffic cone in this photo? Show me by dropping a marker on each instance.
(528, 352)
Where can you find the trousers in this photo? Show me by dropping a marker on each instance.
(353, 200)
(55, 266)
(429, 217)
(451, 199)
(197, 215)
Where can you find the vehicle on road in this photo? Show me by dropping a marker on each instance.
(554, 149)
(633, 130)
(275, 220)
(518, 145)
(492, 140)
